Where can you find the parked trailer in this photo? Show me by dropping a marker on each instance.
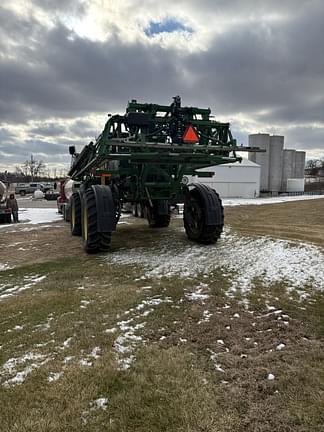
(141, 158)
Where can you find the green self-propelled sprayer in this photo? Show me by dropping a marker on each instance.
(141, 158)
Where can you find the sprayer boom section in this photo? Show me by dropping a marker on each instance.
(141, 157)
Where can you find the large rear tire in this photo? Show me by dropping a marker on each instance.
(93, 241)
(194, 217)
(75, 216)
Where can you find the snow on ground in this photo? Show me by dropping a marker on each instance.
(26, 364)
(4, 266)
(8, 290)
(242, 259)
(34, 216)
(128, 339)
(231, 202)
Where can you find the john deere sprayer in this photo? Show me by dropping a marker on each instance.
(141, 158)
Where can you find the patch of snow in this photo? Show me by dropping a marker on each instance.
(95, 353)
(29, 362)
(127, 342)
(280, 347)
(67, 342)
(245, 260)
(232, 202)
(270, 377)
(111, 330)
(9, 290)
(198, 295)
(84, 304)
(34, 216)
(213, 358)
(206, 317)
(4, 266)
(100, 403)
(54, 376)
(85, 362)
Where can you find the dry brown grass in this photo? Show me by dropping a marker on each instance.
(300, 220)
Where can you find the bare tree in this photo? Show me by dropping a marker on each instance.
(33, 167)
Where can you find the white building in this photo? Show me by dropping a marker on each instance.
(233, 180)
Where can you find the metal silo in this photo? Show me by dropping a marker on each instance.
(288, 168)
(262, 159)
(300, 158)
(275, 166)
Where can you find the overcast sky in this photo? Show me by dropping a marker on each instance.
(65, 64)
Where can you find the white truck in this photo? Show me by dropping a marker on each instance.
(5, 214)
(28, 188)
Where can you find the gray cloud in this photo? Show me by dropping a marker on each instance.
(49, 129)
(71, 6)
(270, 71)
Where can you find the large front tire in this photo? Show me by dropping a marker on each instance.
(93, 241)
(194, 216)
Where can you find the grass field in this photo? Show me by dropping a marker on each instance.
(163, 335)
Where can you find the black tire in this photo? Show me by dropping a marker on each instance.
(75, 214)
(105, 241)
(5, 218)
(22, 193)
(93, 241)
(194, 217)
(154, 219)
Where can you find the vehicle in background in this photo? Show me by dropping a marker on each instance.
(51, 195)
(47, 186)
(23, 189)
(5, 213)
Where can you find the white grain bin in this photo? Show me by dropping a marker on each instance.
(288, 167)
(263, 159)
(295, 185)
(300, 159)
(275, 165)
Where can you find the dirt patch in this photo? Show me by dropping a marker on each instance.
(27, 244)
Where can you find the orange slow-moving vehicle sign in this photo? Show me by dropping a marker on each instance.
(190, 135)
